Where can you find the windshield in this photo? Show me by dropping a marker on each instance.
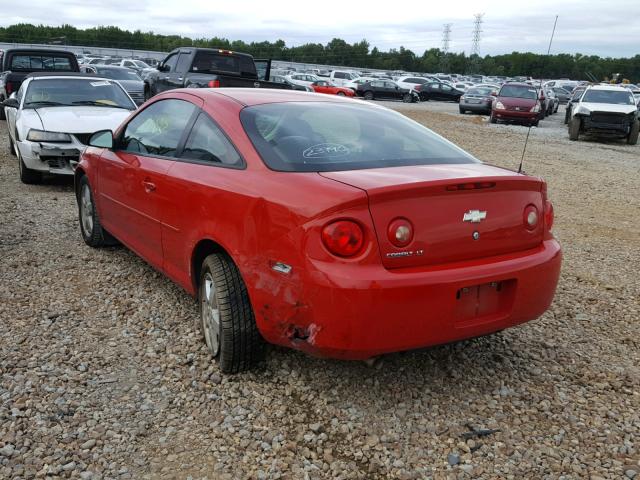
(608, 96)
(118, 74)
(324, 137)
(517, 91)
(63, 92)
(140, 63)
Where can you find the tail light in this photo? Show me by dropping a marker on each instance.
(400, 232)
(214, 84)
(531, 217)
(548, 215)
(343, 238)
(9, 88)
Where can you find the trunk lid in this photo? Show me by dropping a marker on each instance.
(430, 198)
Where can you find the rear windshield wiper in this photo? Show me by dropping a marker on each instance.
(98, 104)
(46, 103)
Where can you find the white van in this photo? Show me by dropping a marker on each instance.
(342, 77)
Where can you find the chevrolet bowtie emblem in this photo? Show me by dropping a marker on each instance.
(474, 216)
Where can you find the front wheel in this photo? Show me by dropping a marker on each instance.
(632, 139)
(27, 175)
(493, 119)
(341, 94)
(462, 110)
(368, 95)
(226, 317)
(407, 98)
(90, 227)
(574, 128)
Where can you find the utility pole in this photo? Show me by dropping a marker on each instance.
(446, 38)
(475, 45)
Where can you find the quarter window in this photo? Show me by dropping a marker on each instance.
(157, 130)
(183, 62)
(207, 143)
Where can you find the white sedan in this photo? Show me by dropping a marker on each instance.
(51, 117)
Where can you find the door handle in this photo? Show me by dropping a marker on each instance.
(149, 186)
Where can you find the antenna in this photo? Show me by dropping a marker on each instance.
(541, 71)
(475, 44)
(446, 38)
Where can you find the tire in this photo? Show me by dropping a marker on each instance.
(407, 98)
(12, 148)
(493, 119)
(91, 229)
(340, 94)
(574, 128)
(368, 95)
(2, 115)
(27, 175)
(567, 115)
(632, 138)
(226, 317)
(147, 92)
(462, 110)
(535, 123)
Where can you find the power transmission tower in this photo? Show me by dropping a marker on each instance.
(475, 45)
(446, 38)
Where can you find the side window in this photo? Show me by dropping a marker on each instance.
(390, 85)
(184, 62)
(171, 62)
(20, 93)
(446, 88)
(207, 143)
(127, 63)
(157, 130)
(339, 75)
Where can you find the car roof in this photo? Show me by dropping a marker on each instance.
(607, 87)
(53, 73)
(37, 50)
(259, 96)
(113, 67)
(47, 75)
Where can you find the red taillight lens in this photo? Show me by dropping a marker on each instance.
(400, 232)
(530, 217)
(214, 84)
(548, 215)
(9, 88)
(343, 238)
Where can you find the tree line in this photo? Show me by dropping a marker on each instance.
(339, 52)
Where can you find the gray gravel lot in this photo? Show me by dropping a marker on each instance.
(103, 374)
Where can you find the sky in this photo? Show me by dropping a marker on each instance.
(605, 28)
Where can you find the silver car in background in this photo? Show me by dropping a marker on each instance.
(130, 81)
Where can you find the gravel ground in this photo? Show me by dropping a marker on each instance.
(103, 374)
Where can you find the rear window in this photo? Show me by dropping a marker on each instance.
(212, 62)
(517, 91)
(325, 137)
(31, 63)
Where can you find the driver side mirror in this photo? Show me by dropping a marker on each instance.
(102, 139)
(11, 102)
(162, 68)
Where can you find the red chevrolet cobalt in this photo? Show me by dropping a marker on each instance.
(335, 227)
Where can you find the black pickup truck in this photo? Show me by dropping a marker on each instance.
(17, 63)
(206, 68)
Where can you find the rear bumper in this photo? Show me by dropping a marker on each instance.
(362, 312)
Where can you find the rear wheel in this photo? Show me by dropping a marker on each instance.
(567, 115)
(407, 98)
(226, 317)
(632, 139)
(368, 95)
(574, 128)
(340, 94)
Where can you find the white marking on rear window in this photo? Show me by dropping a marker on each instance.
(324, 150)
